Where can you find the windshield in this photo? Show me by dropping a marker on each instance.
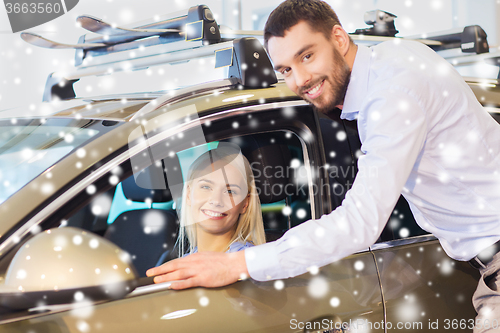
(28, 147)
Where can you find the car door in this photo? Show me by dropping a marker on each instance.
(345, 294)
(423, 288)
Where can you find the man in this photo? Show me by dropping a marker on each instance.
(420, 125)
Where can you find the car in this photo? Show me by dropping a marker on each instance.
(107, 172)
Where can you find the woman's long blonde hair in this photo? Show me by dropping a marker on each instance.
(250, 227)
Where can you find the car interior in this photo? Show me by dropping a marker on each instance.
(122, 210)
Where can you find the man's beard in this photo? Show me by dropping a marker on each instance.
(339, 80)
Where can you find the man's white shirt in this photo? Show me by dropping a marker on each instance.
(427, 137)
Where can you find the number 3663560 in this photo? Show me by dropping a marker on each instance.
(33, 8)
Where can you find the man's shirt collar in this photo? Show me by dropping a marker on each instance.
(358, 85)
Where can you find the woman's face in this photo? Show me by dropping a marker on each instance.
(217, 198)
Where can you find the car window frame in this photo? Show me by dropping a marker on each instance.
(300, 125)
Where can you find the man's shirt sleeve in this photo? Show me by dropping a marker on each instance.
(392, 128)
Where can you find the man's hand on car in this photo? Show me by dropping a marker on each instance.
(204, 269)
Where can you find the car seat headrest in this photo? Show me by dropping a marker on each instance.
(148, 183)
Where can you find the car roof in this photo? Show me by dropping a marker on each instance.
(124, 107)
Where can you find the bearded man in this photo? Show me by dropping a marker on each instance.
(419, 124)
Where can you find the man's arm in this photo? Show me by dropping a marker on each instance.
(203, 269)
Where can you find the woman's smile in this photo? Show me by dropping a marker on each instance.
(213, 215)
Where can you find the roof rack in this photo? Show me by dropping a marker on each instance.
(461, 47)
(245, 58)
(470, 39)
(382, 24)
(197, 25)
(195, 34)
(464, 47)
(176, 39)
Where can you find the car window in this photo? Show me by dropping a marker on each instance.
(136, 204)
(277, 161)
(30, 146)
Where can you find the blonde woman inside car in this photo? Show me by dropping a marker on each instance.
(220, 209)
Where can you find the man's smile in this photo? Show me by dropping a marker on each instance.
(315, 91)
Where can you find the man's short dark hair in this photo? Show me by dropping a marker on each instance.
(318, 14)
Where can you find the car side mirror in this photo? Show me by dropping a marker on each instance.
(66, 265)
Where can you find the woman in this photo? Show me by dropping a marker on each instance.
(220, 209)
